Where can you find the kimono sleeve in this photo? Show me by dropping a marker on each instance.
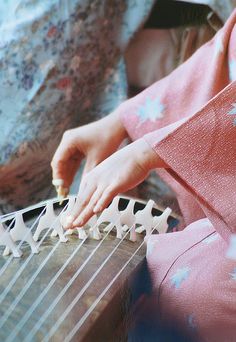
(201, 154)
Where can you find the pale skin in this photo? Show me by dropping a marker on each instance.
(107, 171)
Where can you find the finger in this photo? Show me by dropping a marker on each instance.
(107, 196)
(89, 165)
(66, 161)
(85, 193)
(61, 190)
(87, 213)
(62, 186)
(66, 169)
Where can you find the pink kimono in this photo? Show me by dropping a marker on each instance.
(189, 119)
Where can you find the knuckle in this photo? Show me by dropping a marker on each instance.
(110, 191)
(67, 138)
(84, 202)
(86, 181)
(66, 134)
(94, 200)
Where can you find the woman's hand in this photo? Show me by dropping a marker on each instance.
(120, 172)
(95, 142)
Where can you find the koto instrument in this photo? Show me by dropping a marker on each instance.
(73, 285)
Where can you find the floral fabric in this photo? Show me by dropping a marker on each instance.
(61, 65)
(189, 121)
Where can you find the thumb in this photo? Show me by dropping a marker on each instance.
(65, 162)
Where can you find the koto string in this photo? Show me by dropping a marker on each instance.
(29, 283)
(11, 257)
(4, 267)
(11, 215)
(95, 303)
(63, 291)
(6, 217)
(10, 225)
(27, 315)
(81, 292)
(24, 289)
(21, 269)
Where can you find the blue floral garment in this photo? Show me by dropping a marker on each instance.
(61, 66)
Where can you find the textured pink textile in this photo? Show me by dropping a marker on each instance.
(182, 94)
(201, 154)
(189, 120)
(194, 284)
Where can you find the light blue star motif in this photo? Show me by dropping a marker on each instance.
(231, 252)
(180, 275)
(232, 70)
(211, 239)
(191, 321)
(151, 110)
(233, 111)
(219, 47)
(151, 247)
(233, 275)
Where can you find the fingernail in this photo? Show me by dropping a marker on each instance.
(78, 223)
(97, 209)
(68, 221)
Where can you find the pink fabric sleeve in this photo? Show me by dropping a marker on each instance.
(201, 153)
(181, 95)
(183, 92)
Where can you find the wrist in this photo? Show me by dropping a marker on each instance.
(147, 158)
(114, 127)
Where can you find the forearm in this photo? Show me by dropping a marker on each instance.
(147, 157)
(112, 125)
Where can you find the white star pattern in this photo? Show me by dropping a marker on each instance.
(191, 321)
(231, 252)
(219, 47)
(151, 110)
(151, 246)
(211, 239)
(232, 70)
(233, 275)
(233, 112)
(180, 275)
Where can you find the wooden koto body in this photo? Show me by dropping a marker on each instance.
(42, 298)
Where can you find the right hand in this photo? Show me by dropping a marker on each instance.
(95, 142)
(121, 171)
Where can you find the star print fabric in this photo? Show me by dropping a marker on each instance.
(193, 271)
(151, 110)
(194, 283)
(180, 275)
(180, 96)
(61, 66)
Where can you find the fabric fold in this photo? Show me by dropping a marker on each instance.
(201, 155)
(191, 112)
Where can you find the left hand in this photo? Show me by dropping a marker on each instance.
(120, 172)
